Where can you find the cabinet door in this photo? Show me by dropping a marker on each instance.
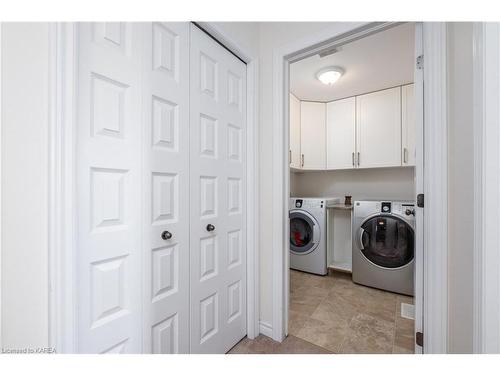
(378, 129)
(294, 132)
(341, 134)
(313, 132)
(408, 125)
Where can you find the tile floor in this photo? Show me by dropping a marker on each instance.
(331, 314)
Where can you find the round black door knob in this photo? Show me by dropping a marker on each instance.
(210, 227)
(166, 235)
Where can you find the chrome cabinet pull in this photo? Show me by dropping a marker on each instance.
(405, 155)
(302, 159)
(210, 227)
(289, 156)
(358, 159)
(353, 163)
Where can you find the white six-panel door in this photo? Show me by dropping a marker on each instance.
(108, 181)
(166, 187)
(217, 169)
(160, 155)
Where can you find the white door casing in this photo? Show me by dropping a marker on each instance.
(313, 131)
(408, 141)
(109, 188)
(218, 196)
(341, 134)
(166, 193)
(294, 132)
(378, 128)
(418, 90)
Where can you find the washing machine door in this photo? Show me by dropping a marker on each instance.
(304, 232)
(387, 241)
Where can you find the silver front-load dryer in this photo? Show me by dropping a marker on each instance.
(383, 245)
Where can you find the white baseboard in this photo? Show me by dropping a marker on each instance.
(266, 329)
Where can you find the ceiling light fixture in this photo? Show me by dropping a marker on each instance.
(330, 75)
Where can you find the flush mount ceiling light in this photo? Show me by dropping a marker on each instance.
(330, 75)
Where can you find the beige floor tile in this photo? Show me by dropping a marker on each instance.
(369, 335)
(295, 345)
(400, 350)
(295, 322)
(335, 308)
(305, 300)
(327, 335)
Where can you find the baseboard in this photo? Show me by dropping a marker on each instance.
(266, 329)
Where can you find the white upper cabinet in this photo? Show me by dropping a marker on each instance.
(313, 132)
(408, 125)
(341, 134)
(295, 159)
(378, 128)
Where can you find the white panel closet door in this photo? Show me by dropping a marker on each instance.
(166, 192)
(217, 168)
(109, 188)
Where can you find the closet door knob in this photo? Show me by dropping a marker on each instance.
(166, 235)
(210, 227)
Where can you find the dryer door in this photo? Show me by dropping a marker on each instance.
(304, 232)
(387, 241)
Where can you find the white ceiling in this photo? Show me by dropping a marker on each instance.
(379, 61)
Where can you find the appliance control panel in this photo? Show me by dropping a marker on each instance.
(404, 209)
(309, 203)
(386, 207)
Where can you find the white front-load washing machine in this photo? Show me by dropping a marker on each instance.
(308, 234)
(383, 245)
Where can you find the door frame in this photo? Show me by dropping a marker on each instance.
(62, 172)
(435, 313)
(486, 90)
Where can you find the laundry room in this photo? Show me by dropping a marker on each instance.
(353, 157)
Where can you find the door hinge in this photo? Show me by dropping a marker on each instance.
(420, 62)
(420, 200)
(419, 338)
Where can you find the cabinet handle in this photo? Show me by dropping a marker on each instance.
(405, 155)
(210, 227)
(353, 163)
(358, 159)
(289, 156)
(302, 159)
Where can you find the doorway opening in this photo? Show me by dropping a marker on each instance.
(355, 151)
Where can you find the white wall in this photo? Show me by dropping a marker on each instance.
(460, 188)
(245, 34)
(24, 268)
(272, 36)
(376, 183)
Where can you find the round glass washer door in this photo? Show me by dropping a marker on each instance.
(387, 241)
(304, 232)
